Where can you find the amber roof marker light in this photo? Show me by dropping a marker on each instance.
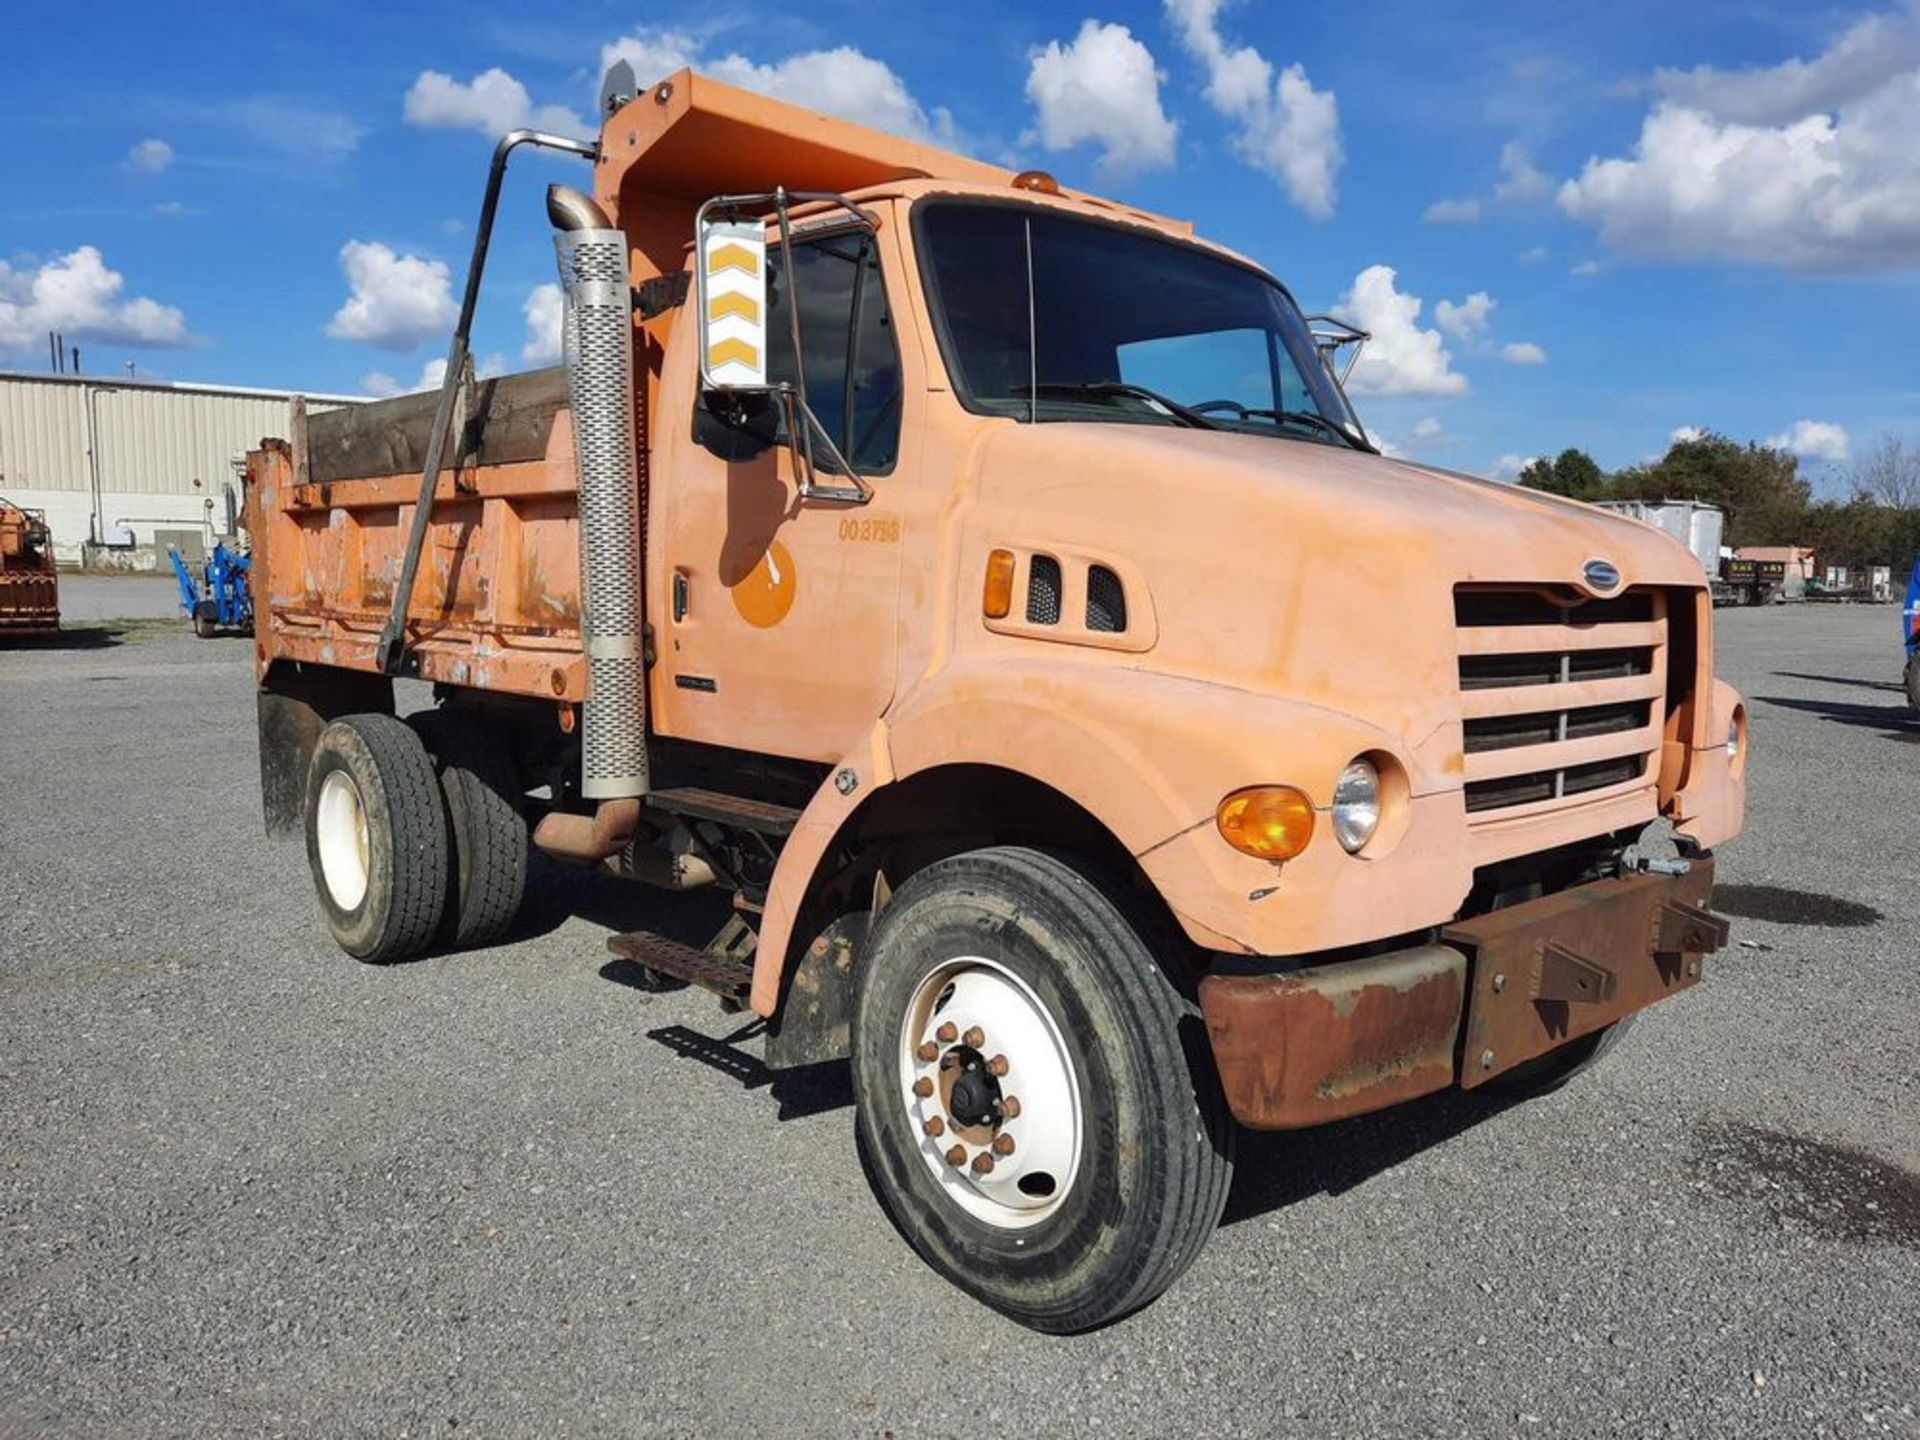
(1036, 180)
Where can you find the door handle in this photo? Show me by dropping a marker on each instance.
(682, 595)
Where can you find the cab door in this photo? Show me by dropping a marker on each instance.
(776, 628)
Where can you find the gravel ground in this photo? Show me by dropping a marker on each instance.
(248, 1187)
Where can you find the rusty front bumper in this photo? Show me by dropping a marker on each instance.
(1304, 1047)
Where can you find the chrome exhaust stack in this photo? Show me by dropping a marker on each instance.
(598, 345)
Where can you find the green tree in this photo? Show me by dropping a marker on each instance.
(1572, 472)
(1758, 487)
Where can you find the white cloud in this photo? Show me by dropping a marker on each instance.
(1813, 440)
(493, 102)
(1401, 358)
(1683, 434)
(150, 157)
(1105, 89)
(1808, 164)
(843, 81)
(545, 308)
(397, 300)
(1534, 254)
(1509, 466)
(79, 296)
(1468, 318)
(379, 384)
(1519, 180)
(1523, 352)
(1873, 52)
(1427, 429)
(1453, 212)
(1287, 128)
(1585, 268)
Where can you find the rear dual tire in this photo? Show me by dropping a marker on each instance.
(1120, 1150)
(414, 834)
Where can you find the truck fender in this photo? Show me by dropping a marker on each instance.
(1148, 756)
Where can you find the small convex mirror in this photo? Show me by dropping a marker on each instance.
(733, 305)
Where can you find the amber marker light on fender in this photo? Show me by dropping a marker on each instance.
(1269, 822)
(998, 598)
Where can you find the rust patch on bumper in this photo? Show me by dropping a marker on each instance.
(1316, 1045)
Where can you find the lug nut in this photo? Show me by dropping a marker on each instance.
(1003, 1145)
(974, 1038)
(923, 1087)
(983, 1164)
(997, 1065)
(957, 1155)
(946, 1033)
(928, 1051)
(1009, 1106)
(934, 1126)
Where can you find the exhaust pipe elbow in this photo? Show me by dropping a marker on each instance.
(569, 209)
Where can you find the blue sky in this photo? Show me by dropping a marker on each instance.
(1639, 217)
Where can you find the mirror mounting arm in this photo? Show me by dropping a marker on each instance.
(802, 425)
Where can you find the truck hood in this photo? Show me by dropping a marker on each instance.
(1472, 529)
(1298, 569)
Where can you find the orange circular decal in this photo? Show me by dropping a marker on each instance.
(765, 594)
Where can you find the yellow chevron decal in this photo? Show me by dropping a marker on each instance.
(732, 349)
(734, 257)
(734, 303)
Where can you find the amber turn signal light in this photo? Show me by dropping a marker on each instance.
(1268, 822)
(998, 599)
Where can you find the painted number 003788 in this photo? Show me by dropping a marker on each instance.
(877, 528)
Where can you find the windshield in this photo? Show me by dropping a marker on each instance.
(1044, 316)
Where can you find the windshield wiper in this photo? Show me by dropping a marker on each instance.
(1313, 421)
(1100, 389)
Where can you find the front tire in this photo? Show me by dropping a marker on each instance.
(377, 838)
(1007, 975)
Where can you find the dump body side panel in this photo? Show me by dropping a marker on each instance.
(497, 602)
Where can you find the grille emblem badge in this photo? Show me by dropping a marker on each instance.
(1600, 575)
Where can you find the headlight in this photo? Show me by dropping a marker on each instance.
(1356, 805)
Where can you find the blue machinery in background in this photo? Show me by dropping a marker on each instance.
(1910, 633)
(222, 599)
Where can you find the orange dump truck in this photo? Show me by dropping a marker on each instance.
(991, 587)
(29, 589)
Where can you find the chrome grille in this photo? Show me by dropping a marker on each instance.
(1559, 698)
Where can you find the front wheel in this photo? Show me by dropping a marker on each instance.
(1036, 1095)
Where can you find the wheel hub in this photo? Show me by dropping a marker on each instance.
(973, 1098)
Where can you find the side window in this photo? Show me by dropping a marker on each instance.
(846, 333)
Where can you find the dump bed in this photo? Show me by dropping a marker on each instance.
(496, 604)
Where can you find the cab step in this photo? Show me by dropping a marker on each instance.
(737, 811)
(725, 967)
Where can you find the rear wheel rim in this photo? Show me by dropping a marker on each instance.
(340, 827)
(990, 1092)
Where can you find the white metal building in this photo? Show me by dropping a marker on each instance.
(126, 467)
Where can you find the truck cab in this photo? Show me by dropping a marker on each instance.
(1104, 744)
